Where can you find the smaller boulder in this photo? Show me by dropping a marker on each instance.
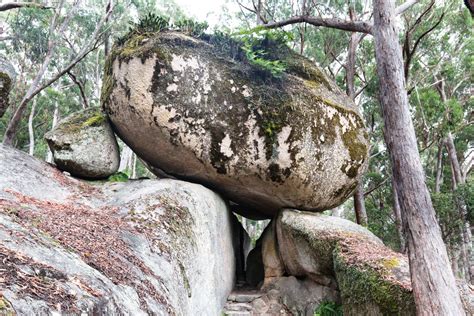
(84, 145)
(337, 253)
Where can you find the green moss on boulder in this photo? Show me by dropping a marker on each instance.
(372, 279)
(84, 145)
(375, 283)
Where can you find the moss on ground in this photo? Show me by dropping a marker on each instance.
(5, 307)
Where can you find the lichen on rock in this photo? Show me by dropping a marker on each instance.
(213, 118)
(84, 145)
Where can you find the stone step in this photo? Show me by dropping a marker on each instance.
(244, 297)
(236, 313)
(231, 306)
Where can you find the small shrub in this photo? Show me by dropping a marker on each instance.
(150, 23)
(328, 309)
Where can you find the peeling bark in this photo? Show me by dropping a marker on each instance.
(434, 285)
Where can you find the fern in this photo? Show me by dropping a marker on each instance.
(149, 23)
(328, 309)
(255, 43)
(191, 27)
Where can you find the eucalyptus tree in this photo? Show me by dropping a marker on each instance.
(438, 50)
(433, 282)
(57, 31)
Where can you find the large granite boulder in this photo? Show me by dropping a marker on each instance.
(84, 145)
(7, 79)
(160, 247)
(189, 108)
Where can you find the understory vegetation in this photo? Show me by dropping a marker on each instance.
(328, 309)
(255, 43)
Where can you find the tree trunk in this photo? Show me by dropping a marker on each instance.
(453, 158)
(359, 203)
(49, 155)
(359, 206)
(260, 10)
(31, 133)
(125, 159)
(107, 33)
(134, 166)
(465, 229)
(439, 167)
(455, 253)
(398, 218)
(458, 179)
(433, 282)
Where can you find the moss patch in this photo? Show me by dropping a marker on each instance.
(390, 263)
(5, 307)
(82, 119)
(357, 149)
(108, 81)
(369, 284)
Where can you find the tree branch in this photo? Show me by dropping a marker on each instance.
(353, 26)
(36, 87)
(368, 192)
(405, 6)
(17, 5)
(81, 88)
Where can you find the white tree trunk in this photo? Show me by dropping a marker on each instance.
(454, 159)
(125, 159)
(439, 167)
(31, 132)
(134, 166)
(49, 155)
(398, 219)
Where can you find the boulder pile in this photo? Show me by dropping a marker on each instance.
(234, 139)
